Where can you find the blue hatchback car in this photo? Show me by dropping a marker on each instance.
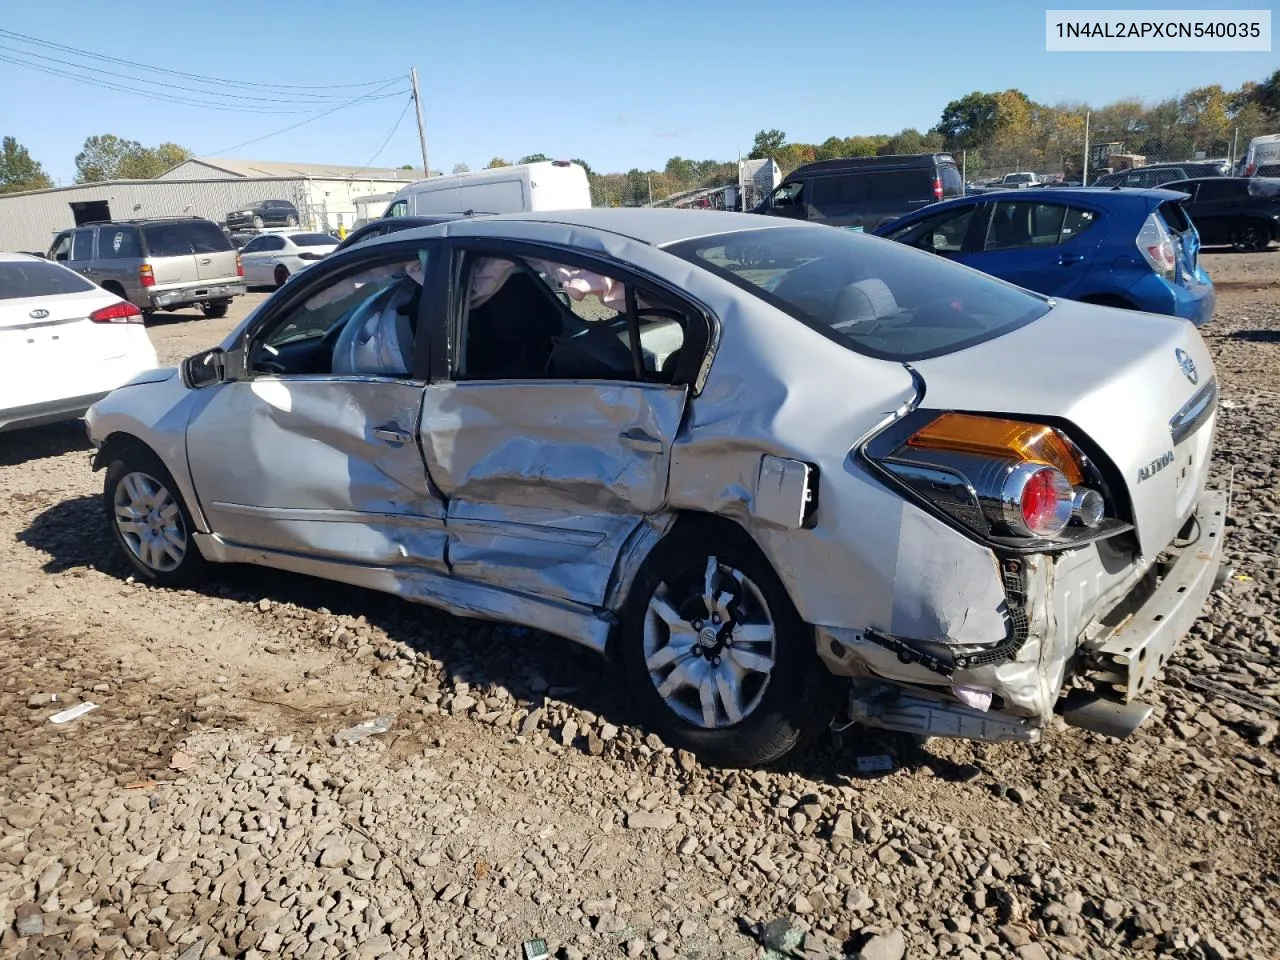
(1119, 247)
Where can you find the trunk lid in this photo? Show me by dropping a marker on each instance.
(1118, 377)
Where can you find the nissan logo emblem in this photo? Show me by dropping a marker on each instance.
(1188, 365)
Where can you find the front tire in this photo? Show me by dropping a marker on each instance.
(258, 222)
(291, 221)
(149, 521)
(716, 655)
(281, 274)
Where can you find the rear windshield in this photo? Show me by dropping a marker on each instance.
(313, 240)
(36, 278)
(874, 296)
(1175, 216)
(184, 238)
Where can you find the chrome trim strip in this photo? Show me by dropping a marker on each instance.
(1195, 412)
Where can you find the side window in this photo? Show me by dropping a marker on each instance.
(398, 209)
(889, 185)
(1017, 224)
(1226, 190)
(61, 249)
(838, 196)
(531, 319)
(939, 234)
(362, 324)
(787, 195)
(1076, 222)
(253, 246)
(271, 242)
(207, 238)
(118, 243)
(82, 245)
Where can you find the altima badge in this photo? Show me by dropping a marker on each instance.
(1187, 364)
(1155, 466)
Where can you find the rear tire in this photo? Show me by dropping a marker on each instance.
(1251, 236)
(291, 221)
(215, 311)
(258, 222)
(281, 274)
(149, 520)
(740, 684)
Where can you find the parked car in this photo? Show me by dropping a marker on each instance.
(268, 213)
(1158, 174)
(380, 228)
(545, 185)
(864, 192)
(1123, 248)
(1020, 180)
(1241, 211)
(64, 342)
(274, 257)
(156, 264)
(606, 425)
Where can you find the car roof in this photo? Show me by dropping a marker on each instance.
(20, 258)
(892, 161)
(656, 227)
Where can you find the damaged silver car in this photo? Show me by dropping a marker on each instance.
(775, 471)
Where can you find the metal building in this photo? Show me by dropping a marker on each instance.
(324, 195)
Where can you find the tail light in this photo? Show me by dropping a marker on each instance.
(239, 266)
(937, 188)
(118, 313)
(310, 256)
(146, 276)
(1013, 483)
(1156, 246)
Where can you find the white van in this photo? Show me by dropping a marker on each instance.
(1262, 151)
(547, 185)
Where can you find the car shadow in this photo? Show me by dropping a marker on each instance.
(529, 664)
(41, 443)
(167, 319)
(1256, 336)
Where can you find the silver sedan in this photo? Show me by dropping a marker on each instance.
(270, 259)
(782, 475)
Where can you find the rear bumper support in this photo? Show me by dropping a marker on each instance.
(201, 294)
(1138, 650)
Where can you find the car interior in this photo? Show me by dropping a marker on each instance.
(521, 323)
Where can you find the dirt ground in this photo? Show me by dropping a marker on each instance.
(204, 810)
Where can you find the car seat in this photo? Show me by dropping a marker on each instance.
(863, 302)
(512, 333)
(378, 338)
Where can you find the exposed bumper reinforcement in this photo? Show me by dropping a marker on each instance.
(1133, 655)
(1105, 715)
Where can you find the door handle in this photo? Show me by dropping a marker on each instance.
(392, 434)
(1067, 259)
(639, 440)
(206, 260)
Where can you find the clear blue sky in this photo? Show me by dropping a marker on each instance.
(618, 84)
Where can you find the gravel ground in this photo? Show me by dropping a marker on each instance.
(205, 809)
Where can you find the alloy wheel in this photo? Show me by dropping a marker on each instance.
(150, 521)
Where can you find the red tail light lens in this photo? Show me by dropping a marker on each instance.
(239, 266)
(937, 189)
(1038, 500)
(146, 276)
(117, 313)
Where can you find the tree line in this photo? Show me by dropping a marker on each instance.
(997, 132)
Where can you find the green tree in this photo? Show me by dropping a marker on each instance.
(147, 163)
(535, 158)
(585, 166)
(108, 157)
(497, 162)
(969, 121)
(1267, 95)
(681, 169)
(768, 143)
(18, 171)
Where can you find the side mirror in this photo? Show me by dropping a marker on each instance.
(204, 369)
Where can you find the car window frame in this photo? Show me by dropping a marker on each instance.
(337, 267)
(92, 233)
(67, 235)
(701, 334)
(980, 210)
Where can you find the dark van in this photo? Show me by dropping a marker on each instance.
(864, 191)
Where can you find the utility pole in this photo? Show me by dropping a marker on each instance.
(422, 130)
(1084, 176)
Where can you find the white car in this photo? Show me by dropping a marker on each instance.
(64, 342)
(273, 258)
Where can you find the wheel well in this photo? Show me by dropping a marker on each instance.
(1108, 300)
(114, 287)
(115, 444)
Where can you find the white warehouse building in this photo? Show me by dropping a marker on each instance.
(326, 197)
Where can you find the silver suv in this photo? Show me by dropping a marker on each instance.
(157, 264)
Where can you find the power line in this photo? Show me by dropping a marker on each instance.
(374, 95)
(162, 97)
(97, 73)
(191, 76)
(387, 139)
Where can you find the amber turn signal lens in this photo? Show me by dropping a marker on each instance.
(993, 437)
